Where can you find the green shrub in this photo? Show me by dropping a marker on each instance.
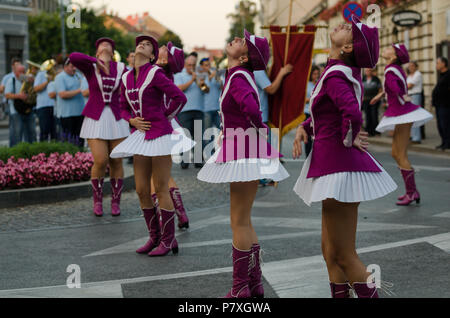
(27, 151)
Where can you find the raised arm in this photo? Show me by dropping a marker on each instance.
(83, 62)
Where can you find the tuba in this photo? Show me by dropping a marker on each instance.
(49, 67)
(116, 57)
(28, 82)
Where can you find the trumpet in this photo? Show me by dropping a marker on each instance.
(201, 76)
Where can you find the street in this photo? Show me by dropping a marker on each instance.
(411, 245)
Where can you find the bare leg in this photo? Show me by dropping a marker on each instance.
(335, 273)
(100, 152)
(162, 167)
(341, 221)
(242, 195)
(400, 145)
(142, 176)
(115, 164)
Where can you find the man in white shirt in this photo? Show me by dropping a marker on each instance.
(415, 88)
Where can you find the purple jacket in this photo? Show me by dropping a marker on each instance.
(335, 122)
(102, 88)
(396, 88)
(154, 97)
(240, 114)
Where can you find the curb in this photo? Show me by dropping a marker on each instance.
(55, 194)
(412, 147)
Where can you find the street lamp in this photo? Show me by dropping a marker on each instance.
(63, 27)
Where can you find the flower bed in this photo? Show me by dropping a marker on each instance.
(42, 170)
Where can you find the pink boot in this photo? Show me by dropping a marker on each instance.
(97, 191)
(158, 211)
(151, 219)
(255, 284)
(241, 278)
(340, 290)
(183, 221)
(365, 290)
(168, 241)
(411, 191)
(116, 188)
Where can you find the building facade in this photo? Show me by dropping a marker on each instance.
(426, 41)
(44, 6)
(13, 32)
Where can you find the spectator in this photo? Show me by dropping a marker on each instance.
(212, 106)
(130, 60)
(5, 79)
(415, 88)
(193, 110)
(441, 100)
(51, 91)
(266, 87)
(372, 87)
(313, 78)
(71, 103)
(85, 89)
(22, 126)
(45, 107)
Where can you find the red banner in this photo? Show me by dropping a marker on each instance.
(286, 106)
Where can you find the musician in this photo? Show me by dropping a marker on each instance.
(70, 102)
(22, 124)
(193, 111)
(212, 107)
(45, 106)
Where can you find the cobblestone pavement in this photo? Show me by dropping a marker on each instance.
(196, 195)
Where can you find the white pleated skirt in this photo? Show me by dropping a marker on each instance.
(348, 187)
(418, 117)
(106, 128)
(242, 170)
(135, 144)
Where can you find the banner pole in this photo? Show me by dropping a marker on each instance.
(286, 51)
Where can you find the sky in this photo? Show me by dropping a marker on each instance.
(197, 22)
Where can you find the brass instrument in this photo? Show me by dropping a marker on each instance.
(49, 67)
(28, 82)
(116, 57)
(202, 76)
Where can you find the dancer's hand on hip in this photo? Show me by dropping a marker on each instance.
(361, 141)
(300, 136)
(140, 124)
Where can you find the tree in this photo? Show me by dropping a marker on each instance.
(45, 35)
(242, 18)
(169, 36)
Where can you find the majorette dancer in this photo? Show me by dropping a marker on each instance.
(243, 163)
(171, 60)
(339, 171)
(400, 116)
(149, 101)
(102, 126)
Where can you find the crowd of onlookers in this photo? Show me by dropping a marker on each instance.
(61, 97)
